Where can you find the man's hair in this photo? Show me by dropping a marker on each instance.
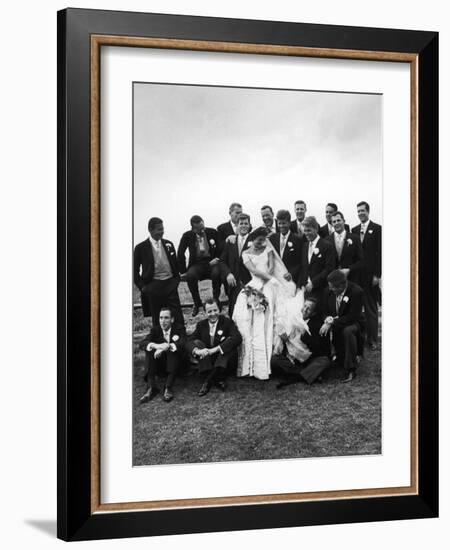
(196, 219)
(234, 205)
(365, 204)
(314, 301)
(267, 206)
(258, 232)
(310, 221)
(153, 222)
(169, 309)
(338, 213)
(210, 300)
(333, 205)
(337, 277)
(243, 217)
(300, 202)
(284, 215)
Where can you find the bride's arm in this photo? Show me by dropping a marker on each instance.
(271, 258)
(253, 270)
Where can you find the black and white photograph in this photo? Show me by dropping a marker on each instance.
(257, 271)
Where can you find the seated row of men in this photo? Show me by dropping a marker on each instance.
(335, 325)
(308, 251)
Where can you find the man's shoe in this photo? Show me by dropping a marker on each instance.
(149, 395)
(204, 389)
(350, 376)
(168, 395)
(221, 384)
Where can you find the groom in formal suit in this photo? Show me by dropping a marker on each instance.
(164, 352)
(318, 260)
(224, 230)
(288, 245)
(202, 244)
(214, 344)
(349, 252)
(233, 271)
(342, 308)
(370, 237)
(156, 274)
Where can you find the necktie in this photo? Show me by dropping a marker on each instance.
(282, 245)
(362, 233)
(167, 336)
(240, 244)
(211, 334)
(310, 251)
(338, 303)
(158, 249)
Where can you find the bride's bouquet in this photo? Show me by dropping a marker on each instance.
(255, 299)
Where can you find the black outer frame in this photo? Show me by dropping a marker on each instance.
(75, 521)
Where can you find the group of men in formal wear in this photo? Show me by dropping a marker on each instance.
(339, 269)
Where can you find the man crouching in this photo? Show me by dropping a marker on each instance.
(164, 349)
(214, 343)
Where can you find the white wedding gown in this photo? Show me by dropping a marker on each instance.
(261, 330)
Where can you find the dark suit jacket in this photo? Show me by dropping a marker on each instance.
(321, 264)
(156, 336)
(350, 310)
(372, 250)
(231, 262)
(318, 345)
(188, 241)
(275, 224)
(224, 230)
(294, 228)
(227, 335)
(324, 231)
(143, 258)
(352, 256)
(292, 255)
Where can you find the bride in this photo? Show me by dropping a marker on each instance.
(268, 310)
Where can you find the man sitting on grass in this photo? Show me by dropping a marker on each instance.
(312, 369)
(214, 343)
(164, 350)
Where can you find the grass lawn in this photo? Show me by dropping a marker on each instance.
(252, 419)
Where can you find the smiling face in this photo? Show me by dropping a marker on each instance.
(165, 319)
(300, 211)
(157, 232)
(329, 211)
(243, 227)
(310, 232)
(283, 226)
(199, 227)
(212, 312)
(308, 309)
(267, 217)
(363, 213)
(338, 223)
(259, 243)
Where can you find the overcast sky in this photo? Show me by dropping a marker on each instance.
(199, 148)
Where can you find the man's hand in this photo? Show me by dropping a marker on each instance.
(345, 271)
(231, 239)
(288, 276)
(375, 280)
(158, 353)
(231, 280)
(324, 329)
(200, 353)
(309, 286)
(182, 276)
(215, 261)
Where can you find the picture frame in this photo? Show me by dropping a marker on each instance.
(81, 35)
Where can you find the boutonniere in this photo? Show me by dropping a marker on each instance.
(345, 299)
(290, 245)
(222, 339)
(175, 337)
(249, 243)
(212, 241)
(370, 230)
(220, 332)
(316, 251)
(350, 242)
(168, 245)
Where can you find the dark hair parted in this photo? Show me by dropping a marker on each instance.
(338, 213)
(210, 300)
(153, 222)
(267, 206)
(196, 219)
(333, 205)
(258, 232)
(169, 309)
(284, 215)
(310, 221)
(243, 217)
(337, 278)
(365, 204)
